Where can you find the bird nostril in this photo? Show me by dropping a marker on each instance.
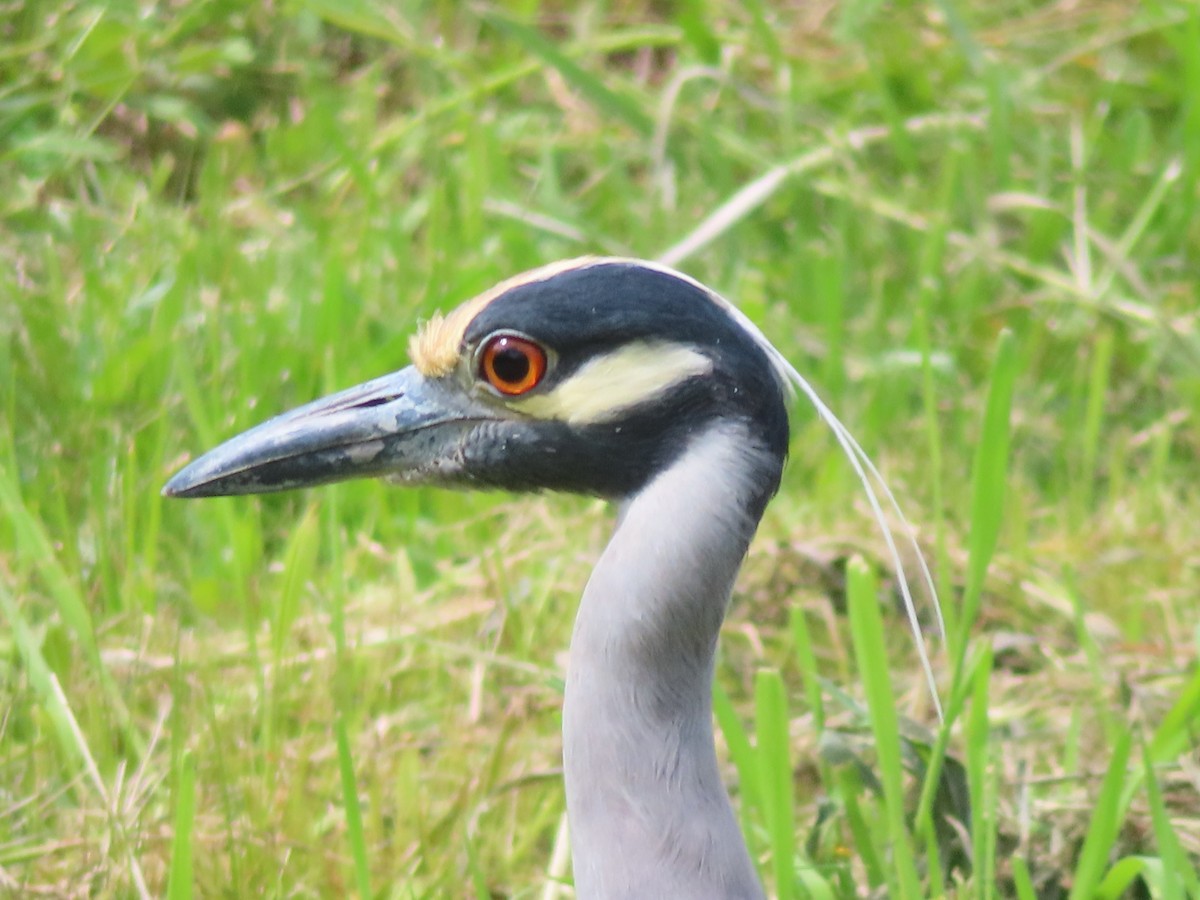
(377, 401)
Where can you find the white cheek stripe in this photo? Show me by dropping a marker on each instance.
(607, 386)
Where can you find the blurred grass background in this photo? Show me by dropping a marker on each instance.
(215, 210)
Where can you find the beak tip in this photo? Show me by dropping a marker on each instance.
(185, 483)
(176, 487)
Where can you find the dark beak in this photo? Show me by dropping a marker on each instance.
(402, 425)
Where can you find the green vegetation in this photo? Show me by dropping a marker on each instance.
(973, 226)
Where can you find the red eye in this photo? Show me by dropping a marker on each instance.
(512, 365)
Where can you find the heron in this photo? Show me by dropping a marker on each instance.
(626, 380)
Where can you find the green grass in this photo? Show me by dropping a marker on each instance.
(973, 226)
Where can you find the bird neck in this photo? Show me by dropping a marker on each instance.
(648, 813)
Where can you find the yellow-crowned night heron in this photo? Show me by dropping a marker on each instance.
(621, 379)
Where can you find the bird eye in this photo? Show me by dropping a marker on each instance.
(512, 365)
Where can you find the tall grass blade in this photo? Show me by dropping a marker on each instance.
(849, 786)
(741, 751)
(1177, 730)
(989, 485)
(478, 879)
(1106, 821)
(1097, 391)
(1124, 872)
(299, 563)
(981, 779)
(814, 886)
(1179, 880)
(179, 877)
(354, 824)
(808, 667)
(1022, 882)
(870, 652)
(775, 776)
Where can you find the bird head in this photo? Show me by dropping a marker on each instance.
(589, 376)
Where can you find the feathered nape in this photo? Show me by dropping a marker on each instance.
(868, 475)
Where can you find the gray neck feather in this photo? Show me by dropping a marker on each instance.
(648, 813)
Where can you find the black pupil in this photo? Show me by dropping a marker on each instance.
(510, 364)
